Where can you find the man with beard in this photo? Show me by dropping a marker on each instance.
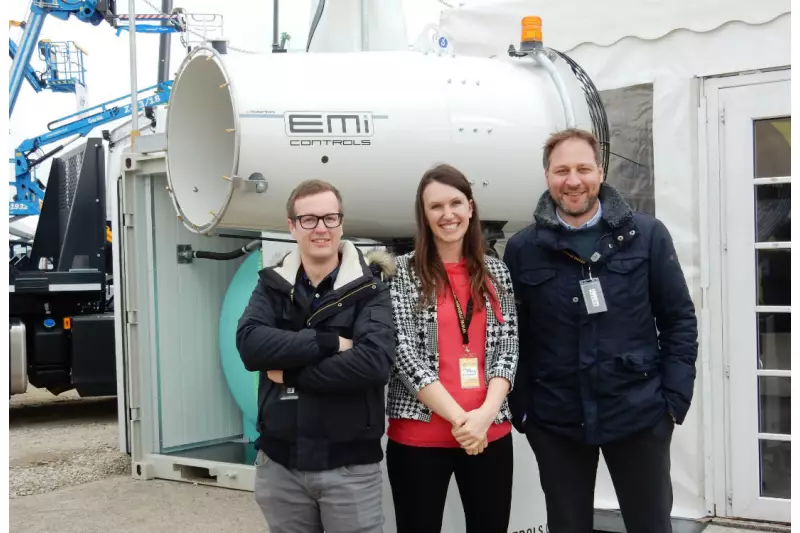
(608, 343)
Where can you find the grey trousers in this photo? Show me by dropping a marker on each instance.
(342, 500)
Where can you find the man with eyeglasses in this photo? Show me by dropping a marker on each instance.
(318, 329)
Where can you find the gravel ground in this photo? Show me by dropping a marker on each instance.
(61, 441)
(68, 475)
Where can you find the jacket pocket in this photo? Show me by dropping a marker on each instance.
(344, 417)
(640, 363)
(626, 283)
(382, 315)
(279, 416)
(540, 288)
(624, 265)
(627, 374)
(555, 395)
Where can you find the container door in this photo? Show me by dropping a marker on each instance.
(755, 176)
(113, 202)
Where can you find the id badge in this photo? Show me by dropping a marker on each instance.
(469, 372)
(593, 296)
(288, 393)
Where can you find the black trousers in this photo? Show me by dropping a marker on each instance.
(420, 477)
(640, 470)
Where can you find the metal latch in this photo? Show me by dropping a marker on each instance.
(255, 183)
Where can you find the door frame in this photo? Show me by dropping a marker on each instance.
(717, 432)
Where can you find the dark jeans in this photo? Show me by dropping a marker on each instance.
(639, 466)
(420, 477)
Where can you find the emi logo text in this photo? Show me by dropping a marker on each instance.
(326, 125)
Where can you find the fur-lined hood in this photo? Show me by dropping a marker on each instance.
(353, 265)
(616, 210)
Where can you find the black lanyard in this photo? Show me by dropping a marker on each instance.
(463, 323)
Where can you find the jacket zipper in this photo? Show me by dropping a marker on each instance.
(339, 301)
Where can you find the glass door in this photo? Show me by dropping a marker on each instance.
(755, 171)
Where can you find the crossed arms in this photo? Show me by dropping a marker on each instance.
(311, 359)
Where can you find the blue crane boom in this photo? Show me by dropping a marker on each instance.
(29, 193)
(29, 73)
(92, 11)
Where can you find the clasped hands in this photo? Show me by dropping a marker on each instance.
(276, 376)
(470, 429)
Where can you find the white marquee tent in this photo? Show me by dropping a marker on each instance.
(667, 71)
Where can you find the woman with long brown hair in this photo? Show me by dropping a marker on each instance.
(456, 358)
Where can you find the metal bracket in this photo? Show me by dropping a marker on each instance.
(185, 254)
(255, 183)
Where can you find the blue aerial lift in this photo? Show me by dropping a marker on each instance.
(92, 11)
(64, 66)
(64, 72)
(61, 313)
(29, 191)
(61, 333)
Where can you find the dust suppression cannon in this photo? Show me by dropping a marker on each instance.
(372, 123)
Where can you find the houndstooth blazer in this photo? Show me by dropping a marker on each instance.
(417, 352)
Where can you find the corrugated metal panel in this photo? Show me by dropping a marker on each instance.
(195, 403)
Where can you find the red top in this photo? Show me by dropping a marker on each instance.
(438, 432)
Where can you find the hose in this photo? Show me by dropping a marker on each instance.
(597, 111)
(566, 101)
(227, 256)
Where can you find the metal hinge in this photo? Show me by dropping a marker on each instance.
(131, 317)
(722, 115)
(134, 414)
(127, 220)
(730, 499)
(727, 371)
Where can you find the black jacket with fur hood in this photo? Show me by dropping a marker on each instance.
(329, 412)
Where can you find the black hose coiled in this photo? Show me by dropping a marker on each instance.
(597, 111)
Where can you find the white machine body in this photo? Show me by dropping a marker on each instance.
(243, 131)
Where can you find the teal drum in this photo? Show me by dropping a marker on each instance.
(242, 384)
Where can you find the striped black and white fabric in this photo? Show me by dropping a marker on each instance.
(417, 358)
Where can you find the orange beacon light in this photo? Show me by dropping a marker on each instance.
(531, 37)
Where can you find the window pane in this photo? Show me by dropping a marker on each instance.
(775, 398)
(773, 277)
(774, 341)
(773, 147)
(773, 207)
(775, 466)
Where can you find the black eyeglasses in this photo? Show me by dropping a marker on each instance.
(331, 220)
